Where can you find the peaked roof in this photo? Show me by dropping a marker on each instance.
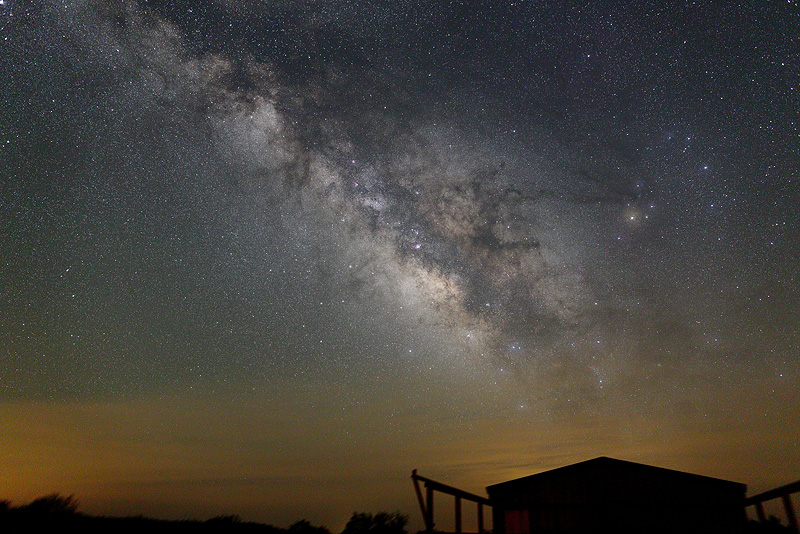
(606, 464)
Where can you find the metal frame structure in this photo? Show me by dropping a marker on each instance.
(785, 494)
(426, 504)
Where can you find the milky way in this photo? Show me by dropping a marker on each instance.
(445, 234)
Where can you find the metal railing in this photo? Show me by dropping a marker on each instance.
(785, 494)
(426, 504)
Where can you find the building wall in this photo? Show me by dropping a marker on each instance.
(617, 498)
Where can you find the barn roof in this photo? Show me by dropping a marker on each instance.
(604, 466)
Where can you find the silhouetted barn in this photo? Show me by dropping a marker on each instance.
(608, 495)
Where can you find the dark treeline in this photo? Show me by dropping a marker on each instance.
(59, 512)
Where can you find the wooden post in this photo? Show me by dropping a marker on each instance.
(480, 518)
(429, 506)
(458, 514)
(787, 505)
(762, 517)
(420, 500)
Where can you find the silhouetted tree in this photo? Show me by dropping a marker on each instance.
(380, 523)
(304, 527)
(53, 504)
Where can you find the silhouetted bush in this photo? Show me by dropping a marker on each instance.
(225, 519)
(380, 523)
(772, 525)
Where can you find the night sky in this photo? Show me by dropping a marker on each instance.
(266, 257)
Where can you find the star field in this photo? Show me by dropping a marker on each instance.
(284, 252)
